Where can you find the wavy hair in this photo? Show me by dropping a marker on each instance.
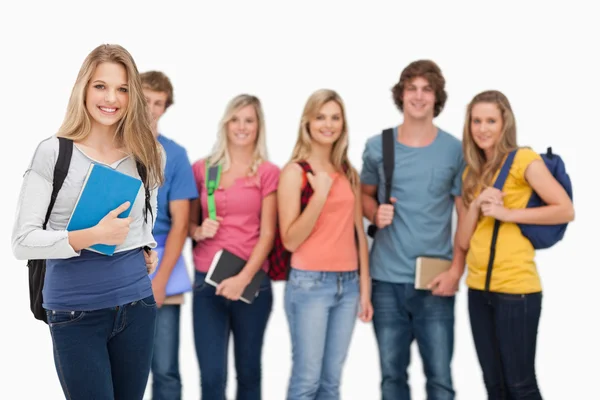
(220, 153)
(339, 152)
(480, 171)
(134, 131)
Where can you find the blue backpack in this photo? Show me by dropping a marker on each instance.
(541, 236)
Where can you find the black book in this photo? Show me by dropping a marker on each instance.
(225, 265)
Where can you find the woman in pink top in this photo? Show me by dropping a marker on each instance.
(245, 226)
(324, 292)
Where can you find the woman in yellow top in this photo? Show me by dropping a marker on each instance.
(504, 316)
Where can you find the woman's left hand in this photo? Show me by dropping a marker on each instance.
(151, 260)
(365, 313)
(496, 211)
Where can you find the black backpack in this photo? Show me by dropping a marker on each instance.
(387, 147)
(37, 268)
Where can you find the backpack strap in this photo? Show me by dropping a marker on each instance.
(501, 179)
(143, 172)
(388, 147)
(498, 184)
(307, 190)
(213, 177)
(61, 169)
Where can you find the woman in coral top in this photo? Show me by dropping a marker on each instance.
(504, 316)
(246, 210)
(324, 292)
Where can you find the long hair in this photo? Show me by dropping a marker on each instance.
(339, 152)
(480, 170)
(220, 153)
(134, 131)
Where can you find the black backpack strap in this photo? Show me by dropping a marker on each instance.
(61, 169)
(143, 172)
(498, 184)
(388, 144)
(388, 147)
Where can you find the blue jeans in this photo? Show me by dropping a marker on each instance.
(504, 328)
(166, 381)
(215, 318)
(106, 353)
(321, 309)
(401, 314)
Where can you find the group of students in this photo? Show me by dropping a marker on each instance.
(112, 325)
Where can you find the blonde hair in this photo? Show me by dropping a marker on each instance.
(480, 170)
(220, 153)
(339, 152)
(134, 131)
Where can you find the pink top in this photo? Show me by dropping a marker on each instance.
(331, 245)
(239, 205)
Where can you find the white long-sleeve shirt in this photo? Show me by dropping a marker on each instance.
(30, 241)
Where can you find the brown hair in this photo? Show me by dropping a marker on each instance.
(431, 72)
(480, 170)
(158, 82)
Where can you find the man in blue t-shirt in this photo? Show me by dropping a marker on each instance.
(426, 185)
(170, 232)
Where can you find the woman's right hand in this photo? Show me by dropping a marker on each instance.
(111, 229)
(207, 230)
(490, 195)
(321, 182)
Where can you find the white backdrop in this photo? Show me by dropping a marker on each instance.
(544, 58)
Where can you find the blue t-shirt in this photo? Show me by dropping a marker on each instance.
(179, 183)
(425, 182)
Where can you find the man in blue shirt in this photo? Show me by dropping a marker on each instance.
(170, 232)
(426, 185)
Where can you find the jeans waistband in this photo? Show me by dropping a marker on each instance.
(324, 275)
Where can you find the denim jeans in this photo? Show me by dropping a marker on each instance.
(166, 381)
(504, 328)
(402, 314)
(104, 354)
(215, 318)
(321, 309)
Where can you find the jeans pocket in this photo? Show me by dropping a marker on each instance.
(305, 284)
(62, 318)
(148, 302)
(304, 279)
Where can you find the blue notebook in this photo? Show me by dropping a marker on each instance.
(179, 282)
(104, 189)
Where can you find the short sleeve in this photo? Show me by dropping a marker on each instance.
(369, 174)
(523, 158)
(198, 171)
(459, 176)
(183, 183)
(269, 178)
